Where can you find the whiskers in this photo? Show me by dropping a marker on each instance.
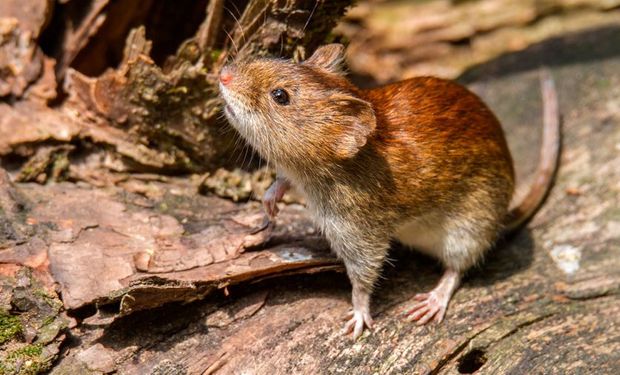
(239, 26)
(316, 3)
(236, 48)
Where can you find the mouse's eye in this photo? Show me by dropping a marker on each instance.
(280, 96)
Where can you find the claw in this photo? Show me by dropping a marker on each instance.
(415, 307)
(273, 195)
(266, 224)
(271, 208)
(430, 313)
(417, 312)
(432, 306)
(439, 316)
(348, 326)
(356, 323)
(429, 307)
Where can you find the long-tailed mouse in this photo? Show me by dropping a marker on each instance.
(423, 161)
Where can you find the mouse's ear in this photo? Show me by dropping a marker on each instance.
(357, 122)
(328, 57)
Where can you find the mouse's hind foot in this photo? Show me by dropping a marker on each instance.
(432, 306)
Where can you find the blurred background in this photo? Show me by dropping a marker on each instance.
(396, 39)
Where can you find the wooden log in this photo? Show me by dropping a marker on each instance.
(543, 302)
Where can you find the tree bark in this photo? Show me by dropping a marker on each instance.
(138, 99)
(140, 274)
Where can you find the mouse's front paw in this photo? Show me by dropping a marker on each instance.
(270, 205)
(357, 321)
(267, 225)
(273, 195)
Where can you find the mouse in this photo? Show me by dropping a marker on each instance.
(421, 161)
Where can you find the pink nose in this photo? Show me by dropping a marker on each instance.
(226, 76)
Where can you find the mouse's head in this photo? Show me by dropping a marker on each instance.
(297, 114)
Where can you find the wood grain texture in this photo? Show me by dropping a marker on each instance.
(544, 302)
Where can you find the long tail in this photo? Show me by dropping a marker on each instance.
(548, 163)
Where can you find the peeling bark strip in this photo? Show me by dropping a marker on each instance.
(141, 254)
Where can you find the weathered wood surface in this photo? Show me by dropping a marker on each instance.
(546, 301)
(112, 246)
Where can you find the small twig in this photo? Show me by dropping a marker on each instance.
(221, 361)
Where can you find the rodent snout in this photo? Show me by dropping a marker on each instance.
(226, 76)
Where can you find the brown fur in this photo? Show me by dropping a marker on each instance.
(370, 161)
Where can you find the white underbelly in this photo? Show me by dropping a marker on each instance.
(426, 235)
